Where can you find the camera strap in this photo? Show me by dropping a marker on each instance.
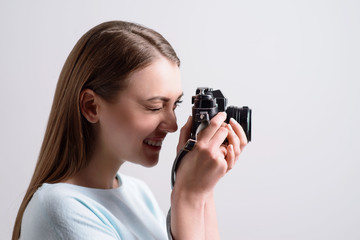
(187, 148)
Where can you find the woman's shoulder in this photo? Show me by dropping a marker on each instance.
(54, 193)
(53, 199)
(64, 210)
(51, 206)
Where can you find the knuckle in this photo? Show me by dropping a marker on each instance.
(223, 167)
(243, 144)
(201, 147)
(212, 154)
(216, 122)
(237, 153)
(206, 151)
(223, 131)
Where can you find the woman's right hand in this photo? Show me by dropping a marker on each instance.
(210, 159)
(192, 204)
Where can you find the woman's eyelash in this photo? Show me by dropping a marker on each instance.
(155, 109)
(177, 103)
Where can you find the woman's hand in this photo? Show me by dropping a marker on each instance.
(210, 158)
(193, 214)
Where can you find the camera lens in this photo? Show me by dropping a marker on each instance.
(242, 116)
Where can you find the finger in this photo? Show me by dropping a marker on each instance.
(234, 141)
(223, 151)
(230, 157)
(222, 157)
(219, 137)
(184, 134)
(239, 132)
(215, 123)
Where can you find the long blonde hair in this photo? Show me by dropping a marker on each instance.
(101, 60)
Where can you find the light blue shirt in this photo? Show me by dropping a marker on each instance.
(66, 211)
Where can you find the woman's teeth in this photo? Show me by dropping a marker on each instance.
(153, 143)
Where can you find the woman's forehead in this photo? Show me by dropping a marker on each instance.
(161, 78)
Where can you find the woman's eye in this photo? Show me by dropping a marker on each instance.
(177, 103)
(154, 109)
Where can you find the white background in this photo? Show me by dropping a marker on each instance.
(295, 63)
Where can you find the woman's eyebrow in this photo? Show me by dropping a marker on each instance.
(165, 99)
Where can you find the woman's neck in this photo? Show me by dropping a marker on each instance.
(99, 173)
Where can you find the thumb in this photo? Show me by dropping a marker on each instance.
(184, 134)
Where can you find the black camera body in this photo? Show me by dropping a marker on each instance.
(208, 102)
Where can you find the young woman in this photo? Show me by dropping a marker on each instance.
(114, 103)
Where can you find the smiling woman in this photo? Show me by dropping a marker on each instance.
(134, 125)
(114, 103)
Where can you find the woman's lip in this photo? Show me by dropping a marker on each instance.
(155, 138)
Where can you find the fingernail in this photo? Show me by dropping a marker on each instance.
(233, 120)
(230, 127)
(222, 113)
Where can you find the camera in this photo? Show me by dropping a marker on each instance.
(208, 102)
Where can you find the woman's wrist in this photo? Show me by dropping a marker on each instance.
(187, 214)
(191, 197)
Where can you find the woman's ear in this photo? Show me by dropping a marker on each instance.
(89, 105)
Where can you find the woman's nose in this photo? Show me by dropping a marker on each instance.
(169, 123)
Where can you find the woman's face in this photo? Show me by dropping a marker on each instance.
(135, 125)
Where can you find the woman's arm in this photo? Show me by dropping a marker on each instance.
(187, 216)
(199, 218)
(193, 208)
(211, 223)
